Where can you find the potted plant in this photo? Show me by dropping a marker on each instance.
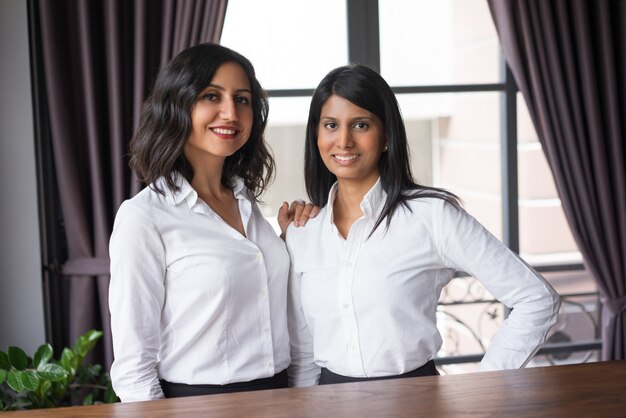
(43, 382)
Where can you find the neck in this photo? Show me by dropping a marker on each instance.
(207, 177)
(347, 202)
(350, 193)
(347, 205)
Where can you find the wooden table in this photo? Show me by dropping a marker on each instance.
(595, 390)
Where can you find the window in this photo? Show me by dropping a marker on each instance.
(468, 130)
(292, 46)
(434, 43)
(545, 237)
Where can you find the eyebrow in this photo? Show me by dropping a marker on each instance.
(218, 87)
(357, 118)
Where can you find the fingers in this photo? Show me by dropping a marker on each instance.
(297, 207)
(315, 210)
(283, 210)
(306, 214)
(284, 217)
(300, 212)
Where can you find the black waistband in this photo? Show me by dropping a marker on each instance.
(176, 390)
(329, 377)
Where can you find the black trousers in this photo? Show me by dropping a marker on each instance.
(177, 390)
(328, 377)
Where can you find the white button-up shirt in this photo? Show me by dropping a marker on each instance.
(191, 299)
(365, 307)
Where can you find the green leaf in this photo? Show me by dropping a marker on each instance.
(58, 389)
(42, 356)
(30, 379)
(85, 343)
(88, 400)
(52, 372)
(91, 372)
(14, 379)
(3, 376)
(67, 360)
(4, 361)
(18, 358)
(109, 394)
(44, 387)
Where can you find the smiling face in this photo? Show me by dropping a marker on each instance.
(350, 140)
(222, 116)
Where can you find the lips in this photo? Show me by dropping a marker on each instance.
(225, 132)
(345, 159)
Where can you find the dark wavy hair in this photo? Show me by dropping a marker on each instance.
(156, 149)
(365, 88)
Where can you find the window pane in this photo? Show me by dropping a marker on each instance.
(437, 42)
(455, 144)
(545, 236)
(467, 318)
(579, 318)
(285, 135)
(546, 239)
(292, 44)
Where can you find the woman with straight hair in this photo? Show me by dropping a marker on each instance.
(198, 277)
(366, 274)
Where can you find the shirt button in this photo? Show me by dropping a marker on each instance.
(348, 264)
(270, 364)
(346, 306)
(262, 294)
(259, 257)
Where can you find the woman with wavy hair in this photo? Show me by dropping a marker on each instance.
(367, 272)
(198, 276)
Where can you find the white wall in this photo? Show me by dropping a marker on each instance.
(21, 300)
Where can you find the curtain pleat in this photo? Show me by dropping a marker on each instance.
(568, 59)
(99, 60)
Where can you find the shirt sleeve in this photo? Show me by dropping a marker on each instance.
(466, 245)
(136, 297)
(303, 371)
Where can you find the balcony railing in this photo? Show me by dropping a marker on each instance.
(469, 316)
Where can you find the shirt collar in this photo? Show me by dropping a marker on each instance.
(186, 192)
(239, 189)
(371, 205)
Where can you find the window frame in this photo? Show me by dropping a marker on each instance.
(364, 47)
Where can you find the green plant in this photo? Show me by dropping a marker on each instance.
(43, 382)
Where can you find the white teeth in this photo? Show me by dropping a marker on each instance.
(224, 131)
(346, 157)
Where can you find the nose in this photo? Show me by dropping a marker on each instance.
(228, 110)
(344, 139)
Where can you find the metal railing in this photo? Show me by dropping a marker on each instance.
(576, 337)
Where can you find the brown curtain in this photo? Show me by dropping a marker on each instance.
(99, 59)
(568, 58)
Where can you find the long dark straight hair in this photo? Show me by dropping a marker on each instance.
(157, 147)
(365, 88)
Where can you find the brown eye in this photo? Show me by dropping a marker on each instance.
(211, 97)
(242, 100)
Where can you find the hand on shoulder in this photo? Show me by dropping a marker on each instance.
(298, 212)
